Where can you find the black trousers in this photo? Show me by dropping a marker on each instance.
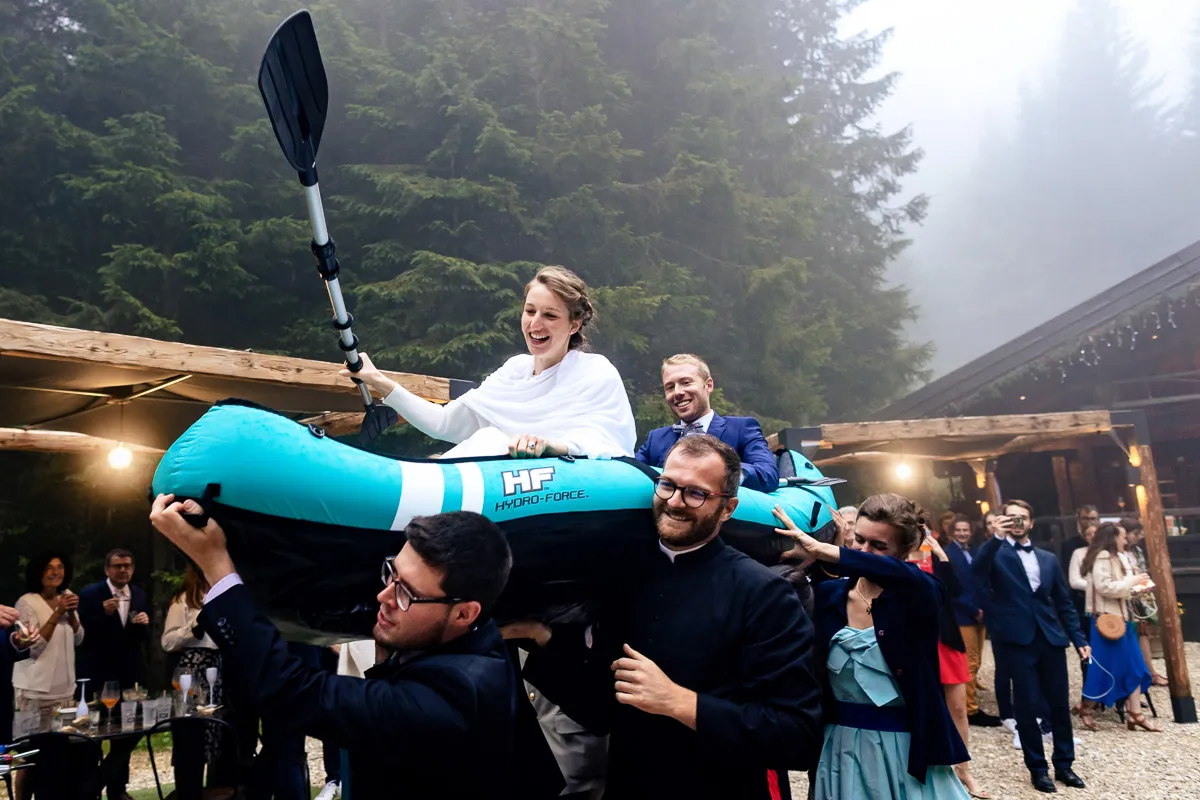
(330, 752)
(1039, 677)
(115, 768)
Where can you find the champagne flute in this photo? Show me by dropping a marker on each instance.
(185, 688)
(211, 674)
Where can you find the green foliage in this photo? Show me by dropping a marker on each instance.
(708, 167)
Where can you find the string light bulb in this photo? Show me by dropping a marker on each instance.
(120, 456)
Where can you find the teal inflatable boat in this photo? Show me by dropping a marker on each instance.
(311, 519)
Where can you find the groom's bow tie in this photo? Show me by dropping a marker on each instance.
(687, 428)
(1028, 548)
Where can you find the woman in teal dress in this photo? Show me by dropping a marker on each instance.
(888, 732)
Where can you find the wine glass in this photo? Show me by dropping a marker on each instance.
(110, 696)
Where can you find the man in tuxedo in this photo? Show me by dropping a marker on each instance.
(968, 614)
(688, 385)
(1032, 620)
(444, 716)
(115, 615)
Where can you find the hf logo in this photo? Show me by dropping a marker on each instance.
(526, 480)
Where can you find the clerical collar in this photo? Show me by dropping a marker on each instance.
(671, 554)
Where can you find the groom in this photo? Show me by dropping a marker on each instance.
(687, 385)
(1032, 622)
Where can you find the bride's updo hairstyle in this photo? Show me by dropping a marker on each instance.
(902, 515)
(571, 289)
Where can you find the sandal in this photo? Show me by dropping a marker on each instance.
(1087, 720)
(972, 787)
(1159, 680)
(1134, 721)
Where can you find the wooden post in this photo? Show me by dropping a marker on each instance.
(1085, 489)
(1150, 509)
(991, 490)
(1062, 485)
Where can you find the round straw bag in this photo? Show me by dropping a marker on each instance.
(1111, 626)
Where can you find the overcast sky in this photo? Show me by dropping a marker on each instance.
(963, 61)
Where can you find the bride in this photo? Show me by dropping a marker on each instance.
(556, 400)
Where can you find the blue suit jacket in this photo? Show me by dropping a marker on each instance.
(743, 434)
(111, 651)
(906, 627)
(1014, 611)
(966, 605)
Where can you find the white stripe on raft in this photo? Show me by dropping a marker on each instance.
(420, 493)
(472, 486)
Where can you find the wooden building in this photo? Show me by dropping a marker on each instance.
(1133, 348)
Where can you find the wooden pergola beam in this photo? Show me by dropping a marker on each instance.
(63, 442)
(1033, 426)
(338, 423)
(113, 349)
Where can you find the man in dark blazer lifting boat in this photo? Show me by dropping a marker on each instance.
(447, 695)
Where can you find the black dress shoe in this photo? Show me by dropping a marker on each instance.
(1042, 782)
(982, 719)
(1069, 778)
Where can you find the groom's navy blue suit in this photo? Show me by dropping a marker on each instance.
(1029, 630)
(759, 471)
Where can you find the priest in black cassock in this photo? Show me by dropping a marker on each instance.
(701, 667)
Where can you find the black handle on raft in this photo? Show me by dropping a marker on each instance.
(199, 520)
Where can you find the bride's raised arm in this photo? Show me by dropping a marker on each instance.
(452, 422)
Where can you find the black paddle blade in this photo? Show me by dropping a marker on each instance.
(293, 87)
(377, 420)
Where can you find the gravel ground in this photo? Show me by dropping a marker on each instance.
(1116, 764)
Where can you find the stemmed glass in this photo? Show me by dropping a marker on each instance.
(185, 689)
(211, 674)
(110, 696)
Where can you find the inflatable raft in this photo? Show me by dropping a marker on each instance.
(310, 519)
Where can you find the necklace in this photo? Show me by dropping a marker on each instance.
(870, 603)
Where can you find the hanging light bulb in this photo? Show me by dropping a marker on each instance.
(120, 456)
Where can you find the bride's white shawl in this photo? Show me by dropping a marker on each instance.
(581, 402)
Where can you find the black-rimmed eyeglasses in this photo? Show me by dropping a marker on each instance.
(404, 596)
(693, 497)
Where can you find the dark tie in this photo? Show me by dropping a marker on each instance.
(687, 428)
(1028, 548)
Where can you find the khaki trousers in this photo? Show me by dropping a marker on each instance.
(973, 636)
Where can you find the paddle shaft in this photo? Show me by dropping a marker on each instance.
(327, 263)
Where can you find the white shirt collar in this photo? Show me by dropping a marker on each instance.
(671, 554)
(706, 420)
(121, 593)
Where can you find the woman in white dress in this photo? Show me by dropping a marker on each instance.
(46, 680)
(555, 400)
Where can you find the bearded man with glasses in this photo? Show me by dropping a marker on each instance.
(444, 716)
(700, 667)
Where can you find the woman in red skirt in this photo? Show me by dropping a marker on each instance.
(952, 651)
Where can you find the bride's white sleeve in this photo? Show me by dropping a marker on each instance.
(453, 422)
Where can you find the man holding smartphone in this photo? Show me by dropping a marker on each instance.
(1032, 620)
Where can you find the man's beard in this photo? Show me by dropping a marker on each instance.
(407, 643)
(702, 528)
